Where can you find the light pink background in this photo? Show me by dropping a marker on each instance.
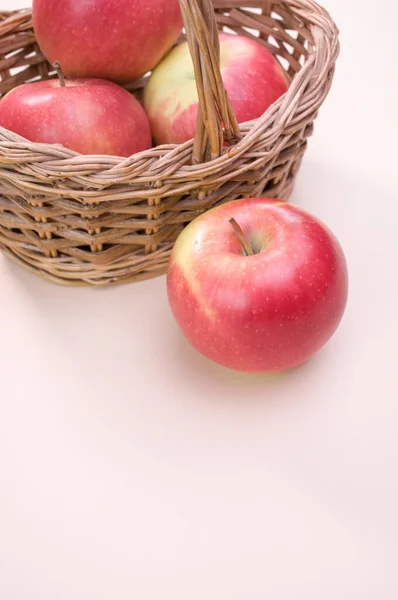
(131, 467)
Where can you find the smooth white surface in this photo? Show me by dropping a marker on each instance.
(131, 467)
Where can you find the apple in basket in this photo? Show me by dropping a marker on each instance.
(90, 116)
(257, 285)
(119, 40)
(252, 77)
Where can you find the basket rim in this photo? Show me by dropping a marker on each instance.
(279, 117)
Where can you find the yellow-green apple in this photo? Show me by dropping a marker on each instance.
(257, 285)
(90, 116)
(252, 77)
(118, 40)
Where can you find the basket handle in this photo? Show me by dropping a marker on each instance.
(216, 118)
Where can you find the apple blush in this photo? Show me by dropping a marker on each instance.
(87, 115)
(119, 40)
(257, 285)
(252, 76)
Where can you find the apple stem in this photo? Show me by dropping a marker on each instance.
(242, 238)
(61, 76)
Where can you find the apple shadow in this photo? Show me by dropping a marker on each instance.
(309, 193)
(197, 365)
(235, 384)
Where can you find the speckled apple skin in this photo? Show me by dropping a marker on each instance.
(262, 313)
(119, 40)
(90, 116)
(252, 77)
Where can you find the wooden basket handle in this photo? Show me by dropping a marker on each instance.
(216, 118)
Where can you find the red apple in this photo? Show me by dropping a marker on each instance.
(90, 116)
(252, 77)
(118, 40)
(266, 308)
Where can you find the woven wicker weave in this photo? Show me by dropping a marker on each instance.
(99, 219)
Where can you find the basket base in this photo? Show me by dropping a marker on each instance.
(119, 275)
(128, 277)
(151, 266)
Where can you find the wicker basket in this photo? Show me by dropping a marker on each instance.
(100, 220)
